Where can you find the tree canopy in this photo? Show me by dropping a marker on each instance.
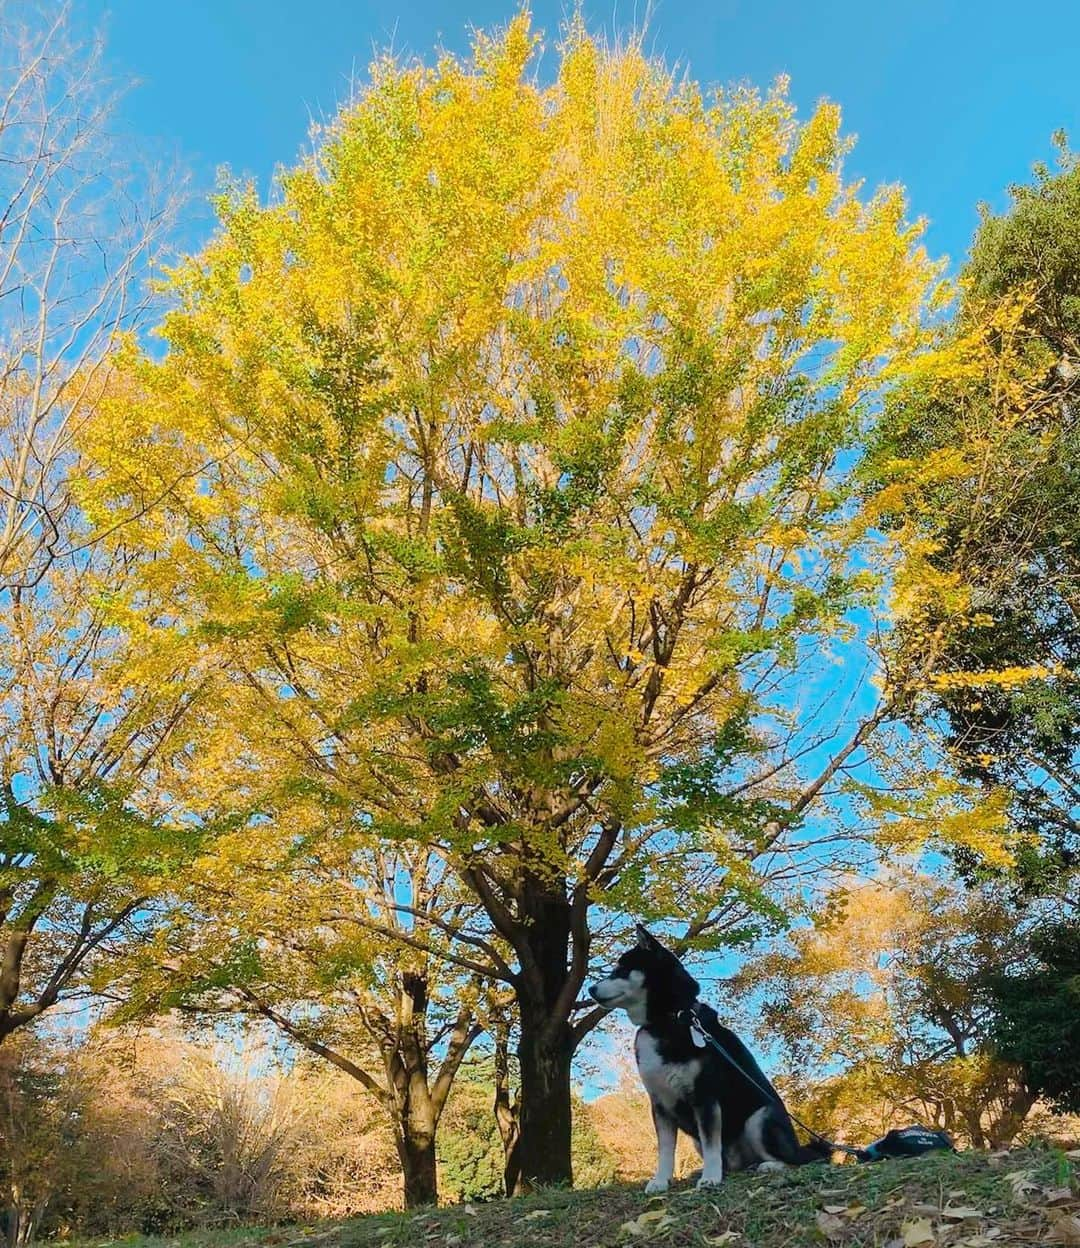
(884, 1009)
(986, 469)
(566, 500)
(501, 464)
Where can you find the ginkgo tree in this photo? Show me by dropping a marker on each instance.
(501, 461)
(81, 223)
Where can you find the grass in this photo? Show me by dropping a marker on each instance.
(970, 1200)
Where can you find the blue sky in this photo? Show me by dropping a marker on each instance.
(952, 98)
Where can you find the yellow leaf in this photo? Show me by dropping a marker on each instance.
(648, 1224)
(920, 1231)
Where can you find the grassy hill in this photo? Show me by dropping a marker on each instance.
(970, 1200)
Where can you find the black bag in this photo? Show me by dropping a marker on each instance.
(905, 1142)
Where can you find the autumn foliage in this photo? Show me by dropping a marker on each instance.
(499, 498)
(566, 500)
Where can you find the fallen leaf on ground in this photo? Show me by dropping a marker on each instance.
(647, 1224)
(1020, 1181)
(1066, 1227)
(726, 1238)
(920, 1231)
(536, 1213)
(1055, 1195)
(829, 1225)
(849, 1211)
(961, 1212)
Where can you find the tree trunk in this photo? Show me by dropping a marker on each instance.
(545, 1048)
(410, 1094)
(414, 1106)
(541, 1156)
(507, 1111)
(20, 1222)
(417, 1154)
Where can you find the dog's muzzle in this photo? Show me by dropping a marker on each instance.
(608, 1002)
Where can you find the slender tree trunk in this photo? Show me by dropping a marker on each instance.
(507, 1111)
(414, 1106)
(973, 1121)
(20, 1222)
(417, 1148)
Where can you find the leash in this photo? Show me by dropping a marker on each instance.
(690, 1018)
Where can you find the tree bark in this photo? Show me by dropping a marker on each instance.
(507, 1111)
(413, 1104)
(541, 1156)
(410, 1094)
(546, 1045)
(416, 1151)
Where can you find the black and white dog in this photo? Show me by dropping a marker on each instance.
(737, 1120)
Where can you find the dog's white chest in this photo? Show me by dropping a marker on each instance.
(666, 1082)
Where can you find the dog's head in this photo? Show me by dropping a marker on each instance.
(648, 981)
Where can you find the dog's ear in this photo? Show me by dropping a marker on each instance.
(645, 939)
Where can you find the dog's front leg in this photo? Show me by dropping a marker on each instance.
(712, 1145)
(666, 1133)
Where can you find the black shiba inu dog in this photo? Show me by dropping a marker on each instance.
(728, 1108)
